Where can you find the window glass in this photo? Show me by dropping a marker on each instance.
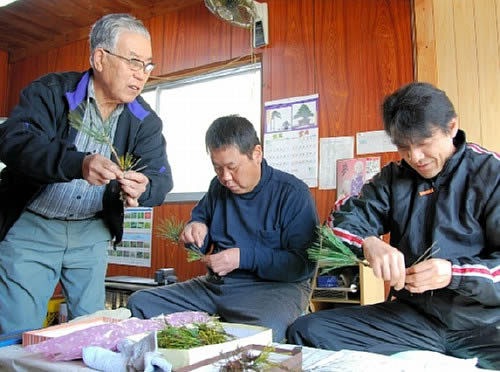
(187, 108)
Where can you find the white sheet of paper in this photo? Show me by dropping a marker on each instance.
(373, 141)
(332, 149)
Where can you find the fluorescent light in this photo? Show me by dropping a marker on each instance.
(6, 2)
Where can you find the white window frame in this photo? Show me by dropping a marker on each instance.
(206, 77)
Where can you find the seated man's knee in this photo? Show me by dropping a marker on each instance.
(298, 331)
(135, 303)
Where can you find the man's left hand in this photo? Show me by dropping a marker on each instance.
(224, 262)
(430, 274)
(133, 185)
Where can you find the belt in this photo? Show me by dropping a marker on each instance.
(66, 219)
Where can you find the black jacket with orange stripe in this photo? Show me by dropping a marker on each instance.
(459, 209)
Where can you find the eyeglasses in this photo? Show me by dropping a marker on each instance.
(134, 64)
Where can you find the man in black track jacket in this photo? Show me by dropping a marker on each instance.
(444, 193)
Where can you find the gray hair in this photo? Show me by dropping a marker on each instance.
(106, 31)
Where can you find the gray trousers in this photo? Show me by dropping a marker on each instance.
(36, 254)
(269, 304)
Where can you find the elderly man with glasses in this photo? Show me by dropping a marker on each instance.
(63, 192)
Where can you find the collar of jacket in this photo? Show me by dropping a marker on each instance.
(77, 96)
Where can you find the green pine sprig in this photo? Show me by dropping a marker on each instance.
(170, 229)
(102, 135)
(192, 335)
(331, 252)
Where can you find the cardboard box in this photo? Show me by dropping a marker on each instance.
(245, 335)
(39, 335)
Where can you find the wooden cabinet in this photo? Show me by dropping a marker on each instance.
(370, 290)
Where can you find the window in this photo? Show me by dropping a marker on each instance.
(187, 107)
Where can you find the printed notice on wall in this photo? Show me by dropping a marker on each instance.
(374, 141)
(332, 149)
(135, 247)
(291, 137)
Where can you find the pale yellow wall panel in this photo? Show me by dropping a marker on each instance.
(426, 69)
(468, 105)
(444, 32)
(487, 32)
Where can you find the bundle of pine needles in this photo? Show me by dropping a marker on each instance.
(192, 335)
(170, 229)
(331, 252)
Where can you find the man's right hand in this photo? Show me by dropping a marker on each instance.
(386, 261)
(98, 170)
(194, 232)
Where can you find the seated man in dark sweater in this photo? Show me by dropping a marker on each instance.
(260, 221)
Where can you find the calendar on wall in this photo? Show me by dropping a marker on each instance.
(291, 137)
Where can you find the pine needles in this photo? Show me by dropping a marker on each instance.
(170, 229)
(102, 135)
(331, 252)
(192, 335)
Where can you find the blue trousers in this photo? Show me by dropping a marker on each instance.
(36, 254)
(392, 327)
(269, 304)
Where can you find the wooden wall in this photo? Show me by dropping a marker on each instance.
(351, 52)
(458, 50)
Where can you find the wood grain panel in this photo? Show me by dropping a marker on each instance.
(468, 103)
(4, 80)
(488, 45)
(291, 59)
(446, 48)
(156, 26)
(28, 29)
(194, 37)
(425, 41)
(466, 60)
(362, 53)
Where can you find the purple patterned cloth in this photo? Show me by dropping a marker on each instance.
(69, 347)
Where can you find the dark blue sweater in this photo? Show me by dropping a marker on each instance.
(273, 225)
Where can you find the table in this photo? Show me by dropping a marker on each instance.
(14, 358)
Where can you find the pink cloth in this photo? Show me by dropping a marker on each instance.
(69, 347)
(187, 317)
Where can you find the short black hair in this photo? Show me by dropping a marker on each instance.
(412, 112)
(232, 130)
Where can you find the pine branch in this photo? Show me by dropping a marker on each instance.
(102, 135)
(331, 252)
(170, 229)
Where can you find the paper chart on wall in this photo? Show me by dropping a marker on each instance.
(135, 247)
(332, 149)
(291, 136)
